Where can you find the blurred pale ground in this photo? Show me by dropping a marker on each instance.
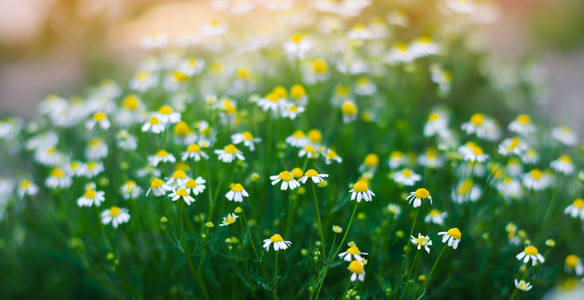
(56, 46)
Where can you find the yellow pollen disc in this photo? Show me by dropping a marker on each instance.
(353, 250)
(422, 193)
(356, 267)
(51, 150)
(311, 173)
(182, 129)
(273, 97)
(179, 174)
(297, 91)
(425, 39)
(319, 66)
(309, 149)
(57, 173)
(230, 149)
(286, 176)
(182, 192)
(130, 183)
(293, 108)
(142, 76)
(515, 142)
(434, 117)
(342, 90)
(130, 102)
(296, 38)
(229, 220)
(193, 148)
(99, 116)
(280, 91)
(94, 142)
(477, 119)
(161, 153)
(215, 23)
(371, 160)
(579, 203)
(276, 238)
(74, 165)
(402, 47)
(572, 261)
(90, 194)
(247, 135)
(359, 27)
(332, 154)
(114, 211)
(536, 174)
(421, 240)
(297, 172)
(396, 155)
(360, 187)
(434, 213)
(298, 134)
(432, 153)
(476, 150)
(524, 119)
(25, 184)
(566, 159)
(192, 62)
(156, 183)
(237, 187)
(530, 250)
(407, 173)
(315, 136)
(165, 110)
(465, 187)
(349, 108)
(154, 121)
(191, 184)
(243, 74)
(455, 233)
(91, 165)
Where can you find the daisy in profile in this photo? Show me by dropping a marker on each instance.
(143, 81)
(406, 177)
(167, 115)
(161, 156)
(155, 40)
(332, 156)
(530, 157)
(419, 195)
(435, 216)
(246, 138)
(397, 159)
(400, 53)
(465, 191)
(181, 193)
(442, 77)
(565, 135)
(194, 152)
(536, 180)
(91, 197)
(483, 126)
(314, 137)
(291, 110)
(58, 179)
(92, 169)
(178, 178)
(523, 285)
(130, 190)
(424, 46)
(236, 193)
(228, 220)
(27, 188)
(452, 237)
(352, 253)
(437, 124)
(512, 146)
(96, 149)
(126, 141)
(349, 111)
(522, 125)
(309, 151)
(573, 263)
(115, 215)
(298, 95)
(153, 125)
(530, 253)
(278, 241)
(510, 188)
(214, 28)
(473, 152)
(229, 153)
(287, 179)
(360, 191)
(431, 159)
(370, 163)
(394, 209)
(563, 165)
(297, 46)
(421, 241)
(365, 87)
(313, 175)
(48, 156)
(576, 209)
(297, 139)
(100, 119)
(196, 186)
(357, 270)
(158, 187)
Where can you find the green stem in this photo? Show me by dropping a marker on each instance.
(318, 219)
(275, 288)
(435, 264)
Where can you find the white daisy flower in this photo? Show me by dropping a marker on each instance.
(360, 191)
(406, 177)
(465, 191)
(352, 253)
(349, 110)
(196, 186)
(397, 159)
(278, 241)
(229, 153)
(297, 139)
(536, 180)
(58, 179)
(214, 28)
(358, 270)
(510, 188)
(115, 215)
(228, 220)
(309, 151)
(435, 216)
(297, 47)
(330, 156)
(522, 285)
(291, 110)
(100, 119)
(563, 165)
(530, 253)
(178, 178)
(130, 190)
(92, 169)
(96, 149)
(166, 115)
(155, 40)
(576, 209)
(421, 241)
(473, 152)
(143, 81)
(424, 46)
(91, 197)
(27, 188)
(483, 126)
(436, 125)
(565, 135)
(400, 53)
(161, 156)
(522, 125)
(153, 125)
(194, 152)
(419, 195)
(236, 193)
(126, 141)
(512, 146)
(181, 193)
(314, 175)
(271, 102)
(158, 187)
(430, 159)
(394, 209)
(246, 138)
(530, 157)
(452, 237)
(287, 179)
(574, 263)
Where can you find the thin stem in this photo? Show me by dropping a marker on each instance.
(275, 288)
(318, 219)
(435, 264)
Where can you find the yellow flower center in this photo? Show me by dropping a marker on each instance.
(421, 240)
(477, 119)
(332, 154)
(182, 192)
(422, 193)
(524, 119)
(356, 267)
(91, 165)
(455, 233)
(243, 73)
(360, 187)
(310, 149)
(94, 142)
(296, 38)
(273, 97)
(191, 184)
(161, 153)
(311, 173)
(434, 213)
(280, 91)
(57, 173)
(25, 184)
(371, 160)
(319, 66)
(142, 75)
(565, 159)
(465, 187)
(297, 91)
(286, 176)
(247, 135)
(434, 117)
(298, 134)
(276, 238)
(114, 211)
(180, 76)
(293, 108)
(229, 219)
(131, 102)
(182, 129)
(230, 149)
(99, 116)
(237, 187)
(51, 150)
(536, 174)
(342, 90)
(353, 250)
(579, 203)
(297, 172)
(349, 108)
(90, 194)
(530, 250)
(572, 261)
(165, 110)
(179, 174)
(154, 121)
(315, 136)
(156, 183)
(407, 173)
(193, 148)
(402, 47)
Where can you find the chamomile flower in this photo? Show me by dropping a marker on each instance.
(435, 216)
(287, 179)
(394, 209)
(246, 138)
(565, 135)
(337, 229)
(522, 125)
(178, 178)
(161, 156)
(91, 197)
(512, 146)
(181, 193)
(228, 220)
(421, 241)
(196, 186)
(536, 180)
(309, 151)
(406, 177)
(360, 191)
(100, 119)
(437, 124)
(431, 159)
(349, 111)
(370, 163)
(115, 215)
(397, 159)
(92, 169)
(236, 193)
(563, 165)
(155, 40)
(166, 115)
(271, 102)
(96, 149)
(192, 66)
(298, 95)
(530, 157)
(214, 28)
(483, 126)
(278, 241)
(58, 179)
(424, 46)
(48, 156)
(130, 190)
(576, 209)
(530, 253)
(194, 152)
(352, 253)
(417, 197)
(357, 270)
(297, 139)
(313, 175)
(400, 53)
(153, 125)
(466, 190)
(365, 87)
(331, 155)
(510, 188)
(573, 263)
(126, 141)
(291, 110)
(143, 81)
(297, 46)
(473, 152)
(452, 237)
(442, 78)
(523, 285)
(27, 188)
(229, 153)
(158, 187)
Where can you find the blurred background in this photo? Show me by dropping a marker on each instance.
(59, 46)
